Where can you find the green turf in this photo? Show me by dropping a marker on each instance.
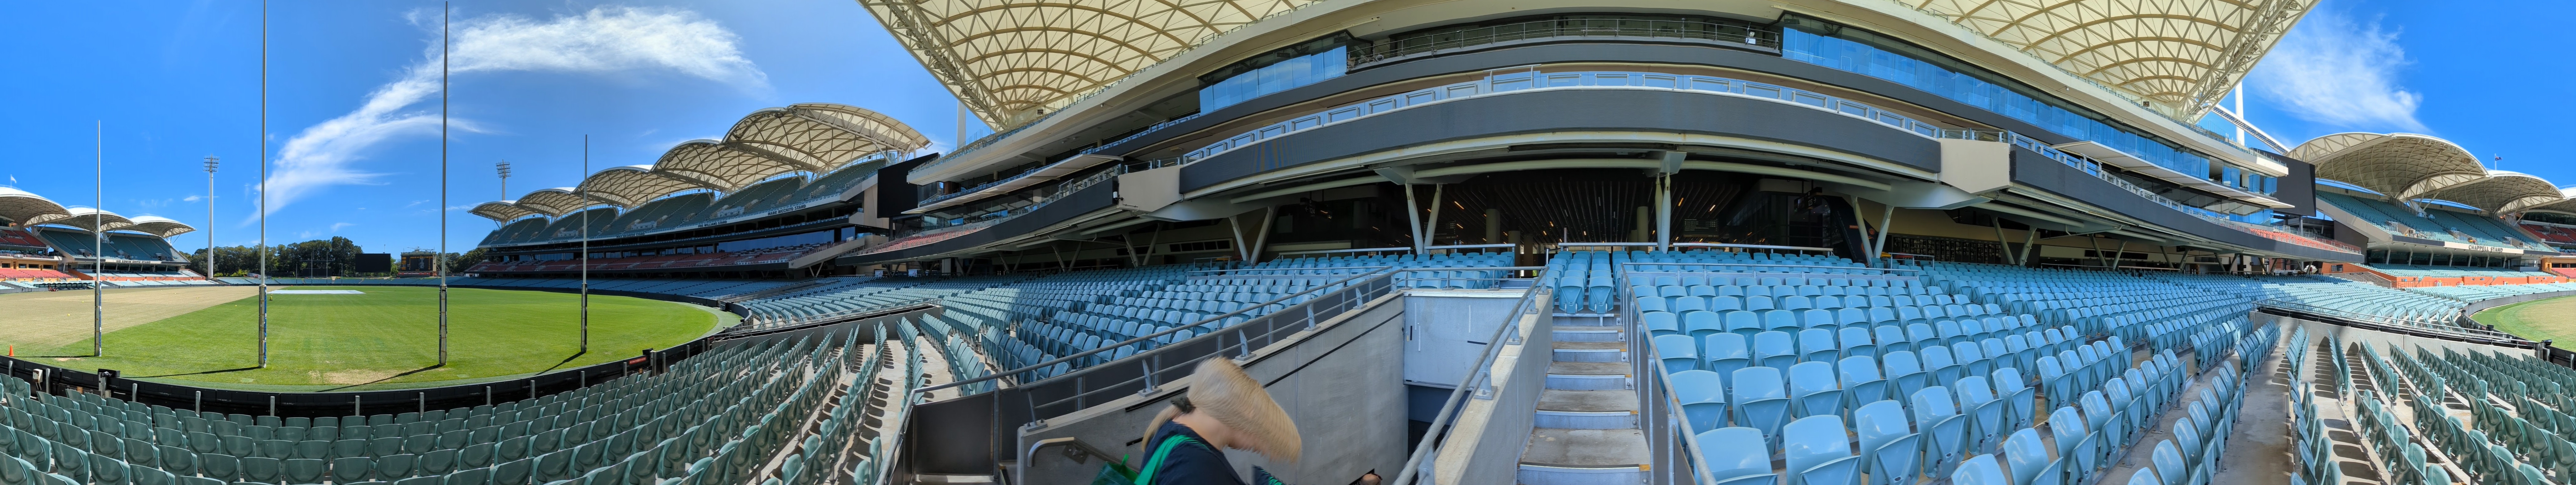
(2543, 319)
(388, 338)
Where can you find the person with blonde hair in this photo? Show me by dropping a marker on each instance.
(1224, 409)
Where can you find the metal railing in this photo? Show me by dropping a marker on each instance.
(1557, 29)
(767, 323)
(2439, 326)
(1479, 379)
(1063, 189)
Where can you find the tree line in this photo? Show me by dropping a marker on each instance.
(337, 254)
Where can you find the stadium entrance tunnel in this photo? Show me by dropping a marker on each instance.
(1362, 384)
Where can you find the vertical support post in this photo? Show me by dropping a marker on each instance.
(1664, 212)
(272, 405)
(1261, 239)
(1888, 216)
(442, 184)
(1493, 226)
(584, 257)
(263, 195)
(1433, 225)
(199, 403)
(1413, 218)
(98, 238)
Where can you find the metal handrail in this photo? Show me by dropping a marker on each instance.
(1630, 263)
(2384, 320)
(1150, 337)
(748, 324)
(1549, 29)
(1479, 375)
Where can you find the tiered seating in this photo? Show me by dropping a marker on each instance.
(720, 417)
(2436, 225)
(846, 295)
(713, 289)
(120, 246)
(2449, 271)
(2332, 293)
(2554, 234)
(685, 209)
(1587, 280)
(20, 273)
(1940, 388)
(2475, 293)
(19, 238)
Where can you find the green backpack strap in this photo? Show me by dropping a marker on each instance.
(1154, 463)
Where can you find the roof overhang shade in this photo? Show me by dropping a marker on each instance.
(28, 209)
(157, 226)
(819, 137)
(2183, 54)
(2502, 192)
(1013, 60)
(2405, 166)
(93, 220)
(555, 201)
(2566, 202)
(633, 185)
(501, 210)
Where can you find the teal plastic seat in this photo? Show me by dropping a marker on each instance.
(1818, 345)
(1724, 353)
(2017, 397)
(1945, 431)
(1860, 380)
(1677, 352)
(1814, 390)
(2027, 457)
(1775, 349)
(1986, 421)
(107, 471)
(1736, 456)
(396, 466)
(1701, 323)
(261, 469)
(2077, 445)
(1890, 450)
(1855, 341)
(2169, 464)
(1817, 451)
(306, 471)
(1979, 470)
(1761, 401)
(1905, 375)
(1702, 395)
(1660, 323)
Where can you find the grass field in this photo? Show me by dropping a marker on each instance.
(384, 339)
(2547, 319)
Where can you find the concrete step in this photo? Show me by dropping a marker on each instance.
(1573, 352)
(1563, 456)
(1587, 375)
(1579, 334)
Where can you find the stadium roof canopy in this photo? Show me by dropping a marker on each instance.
(2566, 202)
(504, 210)
(28, 209)
(1012, 59)
(808, 137)
(2502, 192)
(2405, 166)
(2184, 54)
(92, 219)
(157, 226)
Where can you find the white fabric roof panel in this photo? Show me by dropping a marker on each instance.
(1013, 60)
(163, 227)
(28, 209)
(812, 137)
(2502, 192)
(2183, 54)
(2404, 166)
(92, 219)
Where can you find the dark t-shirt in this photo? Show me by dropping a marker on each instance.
(1190, 463)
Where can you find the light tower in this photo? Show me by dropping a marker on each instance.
(210, 216)
(504, 167)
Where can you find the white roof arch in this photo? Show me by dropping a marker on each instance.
(28, 209)
(2566, 202)
(2405, 166)
(92, 219)
(158, 226)
(2502, 192)
(2184, 54)
(812, 137)
(555, 201)
(633, 185)
(1012, 59)
(505, 210)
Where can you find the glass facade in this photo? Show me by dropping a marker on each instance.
(1825, 44)
(1281, 76)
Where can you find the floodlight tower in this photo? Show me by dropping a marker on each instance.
(210, 216)
(504, 167)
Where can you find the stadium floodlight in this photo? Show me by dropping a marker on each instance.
(441, 260)
(210, 215)
(263, 192)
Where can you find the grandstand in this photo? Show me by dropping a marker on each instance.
(1800, 242)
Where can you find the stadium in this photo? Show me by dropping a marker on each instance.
(1794, 242)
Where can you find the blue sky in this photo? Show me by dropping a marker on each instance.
(175, 81)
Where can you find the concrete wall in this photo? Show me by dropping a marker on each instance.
(1446, 332)
(1490, 434)
(2482, 305)
(1342, 383)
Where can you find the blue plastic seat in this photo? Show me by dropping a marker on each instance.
(1945, 431)
(1687, 303)
(2054, 380)
(1986, 421)
(1724, 353)
(1702, 395)
(1921, 334)
(1861, 381)
(1889, 448)
(1856, 341)
(1905, 375)
(1979, 470)
(1972, 359)
(2016, 396)
(1648, 302)
(1661, 323)
(2099, 417)
(1741, 322)
(1944, 366)
(1892, 339)
(1677, 352)
(2078, 448)
(1761, 400)
(2027, 458)
(1818, 452)
(1737, 456)
(2169, 464)
(1701, 323)
(1814, 390)
(2187, 437)
(1775, 349)
(1818, 345)
(1780, 320)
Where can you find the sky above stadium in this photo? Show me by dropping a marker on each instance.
(354, 96)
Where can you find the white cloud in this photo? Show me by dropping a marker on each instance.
(336, 226)
(2337, 70)
(193, 198)
(602, 40)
